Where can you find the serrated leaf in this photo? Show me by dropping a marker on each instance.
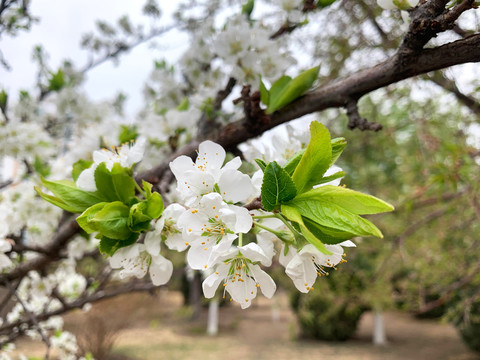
(147, 187)
(87, 215)
(333, 216)
(327, 235)
(264, 94)
(138, 220)
(41, 167)
(325, 3)
(112, 221)
(355, 202)
(338, 145)
(316, 159)
(247, 8)
(69, 194)
(79, 166)
(116, 184)
(277, 187)
(292, 164)
(58, 202)
(288, 90)
(109, 246)
(294, 215)
(261, 164)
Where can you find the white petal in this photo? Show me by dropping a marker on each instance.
(235, 186)
(135, 153)
(267, 285)
(160, 270)
(302, 271)
(152, 243)
(253, 252)
(180, 165)
(86, 179)
(244, 219)
(198, 255)
(210, 284)
(347, 243)
(176, 242)
(234, 164)
(265, 241)
(386, 4)
(210, 155)
(285, 259)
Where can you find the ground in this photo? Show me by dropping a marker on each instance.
(157, 327)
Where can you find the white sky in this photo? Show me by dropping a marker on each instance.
(62, 24)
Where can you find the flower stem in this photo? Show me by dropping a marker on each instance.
(287, 224)
(264, 216)
(140, 190)
(240, 239)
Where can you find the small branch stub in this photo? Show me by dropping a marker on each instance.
(355, 121)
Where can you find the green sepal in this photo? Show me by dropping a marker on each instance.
(76, 199)
(316, 159)
(116, 184)
(109, 246)
(112, 221)
(79, 166)
(277, 187)
(285, 90)
(261, 164)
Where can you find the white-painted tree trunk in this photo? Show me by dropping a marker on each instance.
(379, 336)
(212, 325)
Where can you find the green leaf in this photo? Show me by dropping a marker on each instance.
(292, 163)
(326, 179)
(327, 235)
(109, 246)
(338, 145)
(56, 81)
(333, 216)
(41, 167)
(261, 164)
(275, 93)
(264, 95)
(325, 3)
(247, 8)
(277, 186)
(87, 215)
(294, 215)
(353, 201)
(3, 100)
(79, 166)
(147, 187)
(154, 206)
(285, 90)
(69, 194)
(116, 184)
(138, 219)
(58, 202)
(316, 159)
(129, 133)
(112, 221)
(184, 105)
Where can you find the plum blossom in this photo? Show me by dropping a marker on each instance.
(207, 174)
(126, 155)
(138, 259)
(5, 261)
(212, 226)
(397, 4)
(168, 229)
(304, 266)
(241, 275)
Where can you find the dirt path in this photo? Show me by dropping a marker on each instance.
(160, 329)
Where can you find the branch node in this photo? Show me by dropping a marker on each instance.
(355, 121)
